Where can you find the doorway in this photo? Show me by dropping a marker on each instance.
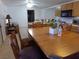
(31, 16)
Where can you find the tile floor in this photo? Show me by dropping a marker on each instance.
(5, 51)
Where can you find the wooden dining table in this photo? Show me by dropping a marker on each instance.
(54, 45)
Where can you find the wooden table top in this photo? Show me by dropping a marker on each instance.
(62, 46)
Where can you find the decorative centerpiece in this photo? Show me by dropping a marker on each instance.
(53, 27)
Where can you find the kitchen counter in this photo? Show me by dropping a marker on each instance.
(51, 45)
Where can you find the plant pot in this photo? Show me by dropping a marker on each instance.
(53, 31)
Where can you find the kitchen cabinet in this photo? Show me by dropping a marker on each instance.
(75, 28)
(76, 9)
(72, 6)
(68, 6)
(64, 7)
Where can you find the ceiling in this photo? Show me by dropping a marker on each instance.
(39, 3)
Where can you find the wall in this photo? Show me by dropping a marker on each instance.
(3, 13)
(37, 14)
(19, 15)
(48, 13)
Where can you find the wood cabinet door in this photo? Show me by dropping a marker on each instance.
(64, 7)
(68, 6)
(76, 8)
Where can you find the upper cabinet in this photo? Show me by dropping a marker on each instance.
(68, 6)
(76, 9)
(72, 6)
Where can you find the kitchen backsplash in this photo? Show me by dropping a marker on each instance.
(76, 18)
(67, 20)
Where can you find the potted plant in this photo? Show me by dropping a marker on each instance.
(53, 27)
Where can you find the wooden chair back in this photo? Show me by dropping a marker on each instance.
(19, 35)
(17, 43)
(14, 44)
(23, 42)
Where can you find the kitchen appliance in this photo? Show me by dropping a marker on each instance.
(76, 21)
(66, 13)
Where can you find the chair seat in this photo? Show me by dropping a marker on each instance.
(25, 43)
(29, 53)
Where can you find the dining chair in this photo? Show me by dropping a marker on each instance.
(14, 44)
(23, 42)
(25, 53)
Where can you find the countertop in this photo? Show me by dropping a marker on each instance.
(51, 45)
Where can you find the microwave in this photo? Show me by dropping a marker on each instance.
(66, 13)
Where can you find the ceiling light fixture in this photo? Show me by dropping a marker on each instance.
(29, 5)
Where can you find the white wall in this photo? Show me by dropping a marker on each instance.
(3, 13)
(37, 14)
(48, 13)
(19, 15)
